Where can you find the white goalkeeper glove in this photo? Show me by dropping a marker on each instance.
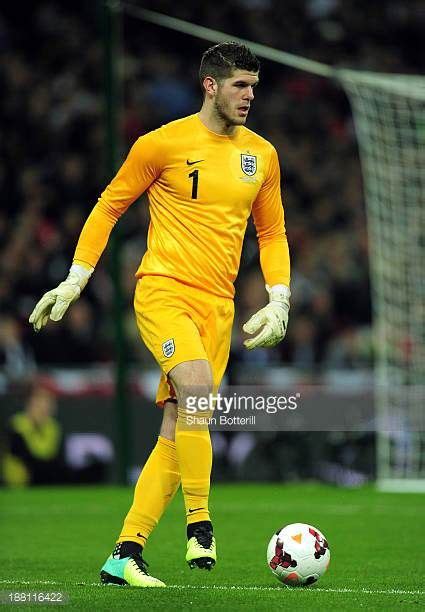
(273, 319)
(56, 302)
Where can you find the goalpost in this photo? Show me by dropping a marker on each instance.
(389, 116)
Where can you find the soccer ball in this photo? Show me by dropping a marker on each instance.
(298, 554)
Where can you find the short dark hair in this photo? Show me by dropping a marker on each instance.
(221, 60)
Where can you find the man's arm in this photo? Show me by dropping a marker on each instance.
(139, 170)
(269, 220)
(272, 320)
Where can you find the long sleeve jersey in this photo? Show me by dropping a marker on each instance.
(202, 187)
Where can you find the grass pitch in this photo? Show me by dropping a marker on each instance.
(56, 539)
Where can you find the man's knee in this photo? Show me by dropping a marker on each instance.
(192, 379)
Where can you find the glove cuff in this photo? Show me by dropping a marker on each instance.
(279, 293)
(79, 275)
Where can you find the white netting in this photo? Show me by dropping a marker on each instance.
(389, 114)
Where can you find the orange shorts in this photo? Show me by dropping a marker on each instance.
(181, 323)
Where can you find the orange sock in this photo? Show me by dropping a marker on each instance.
(194, 454)
(157, 484)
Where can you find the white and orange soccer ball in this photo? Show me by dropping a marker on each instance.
(298, 554)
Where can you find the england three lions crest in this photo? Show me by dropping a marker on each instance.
(249, 164)
(168, 348)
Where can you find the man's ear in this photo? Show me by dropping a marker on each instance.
(210, 86)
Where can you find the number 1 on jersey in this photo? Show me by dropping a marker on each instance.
(195, 176)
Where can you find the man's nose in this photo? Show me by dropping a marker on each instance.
(249, 93)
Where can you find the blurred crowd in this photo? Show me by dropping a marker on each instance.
(52, 165)
(35, 450)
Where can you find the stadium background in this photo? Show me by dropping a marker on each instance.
(52, 168)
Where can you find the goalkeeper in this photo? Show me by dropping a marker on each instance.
(204, 174)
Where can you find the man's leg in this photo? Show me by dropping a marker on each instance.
(194, 452)
(156, 486)
(157, 483)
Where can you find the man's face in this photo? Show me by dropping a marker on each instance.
(234, 96)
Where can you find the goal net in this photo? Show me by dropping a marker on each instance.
(389, 115)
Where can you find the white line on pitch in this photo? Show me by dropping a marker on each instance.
(224, 587)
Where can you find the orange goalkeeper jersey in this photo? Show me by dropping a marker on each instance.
(202, 187)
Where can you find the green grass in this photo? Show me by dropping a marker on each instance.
(63, 535)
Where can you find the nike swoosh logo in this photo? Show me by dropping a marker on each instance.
(190, 163)
(194, 509)
(139, 535)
